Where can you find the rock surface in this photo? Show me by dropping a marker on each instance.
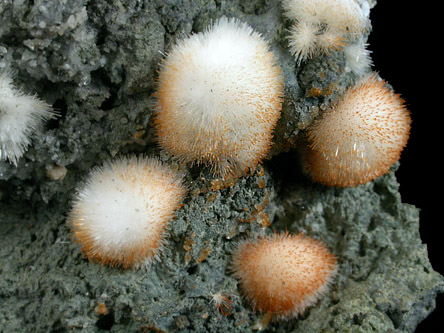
(96, 62)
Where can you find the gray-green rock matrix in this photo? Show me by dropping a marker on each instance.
(96, 62)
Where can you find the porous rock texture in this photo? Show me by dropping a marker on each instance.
(96, 62)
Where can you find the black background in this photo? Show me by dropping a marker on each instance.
(404, 45)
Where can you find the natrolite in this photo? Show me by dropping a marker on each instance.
(120, 214)
(219, 98)
(282, 274)
(20, 115)
(321, 26)
(360, 137)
